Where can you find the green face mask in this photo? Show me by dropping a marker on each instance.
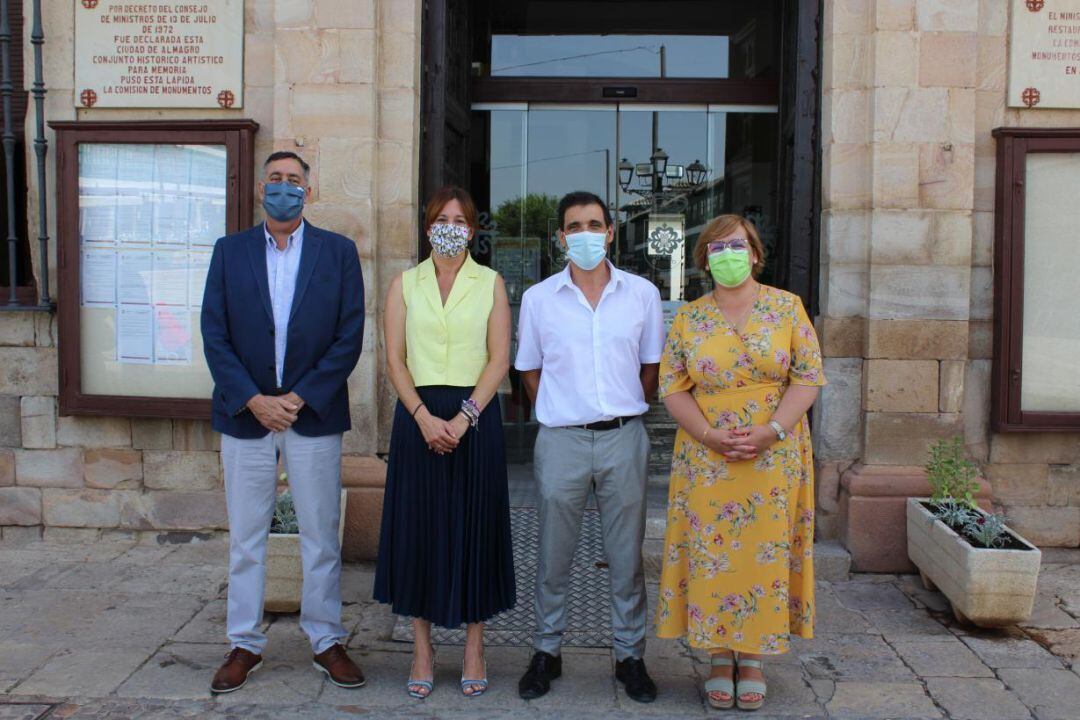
(730, 267)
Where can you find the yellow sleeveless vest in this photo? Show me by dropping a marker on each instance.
(447, 345)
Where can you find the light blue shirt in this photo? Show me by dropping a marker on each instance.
(282, 267)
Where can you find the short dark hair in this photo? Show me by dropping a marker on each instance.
(579, 198)
(446, 194)
(288, 155)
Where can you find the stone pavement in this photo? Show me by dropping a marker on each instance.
(127, 627)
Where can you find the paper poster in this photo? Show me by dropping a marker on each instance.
(170, 218)
(206, 221)
(170, 285)
(134, 219)
(198, 265)
(172, 336)
(134, 277)
(98, 278)
(135, 334)
(97, 218)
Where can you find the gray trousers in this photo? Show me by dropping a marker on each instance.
(314, 468)
(567, 462)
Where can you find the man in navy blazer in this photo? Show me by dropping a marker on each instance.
(282, 327)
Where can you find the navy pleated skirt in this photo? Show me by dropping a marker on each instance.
(445, 553)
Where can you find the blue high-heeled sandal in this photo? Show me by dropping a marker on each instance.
(428, 686)
(481, 685)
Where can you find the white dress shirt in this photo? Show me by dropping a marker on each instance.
(282, 267)
(590, 359)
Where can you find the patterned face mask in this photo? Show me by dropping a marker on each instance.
(448, 240)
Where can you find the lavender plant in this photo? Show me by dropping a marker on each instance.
(988, 530)
(284, 522)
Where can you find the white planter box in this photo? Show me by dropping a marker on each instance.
(987, 587)
(285, 572)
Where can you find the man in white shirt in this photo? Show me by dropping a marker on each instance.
(589, 346)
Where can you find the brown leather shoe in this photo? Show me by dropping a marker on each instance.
(337, 665)
(233, 675)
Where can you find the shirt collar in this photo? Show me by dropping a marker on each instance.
(295, 238)
(566, 280)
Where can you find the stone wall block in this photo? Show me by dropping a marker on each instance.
(325, 111)
(947, 59)
(398, 114)
(925, 292)
(293, 13)
(185, 510)
(846, 176)
(980, 339)
(905, 438)
(901, 237)
(347, 169)
(982, 246)
(846, 62)
(894, 14)
(81, 508)
(356, 56)
(112, 468)
(993, 17)
(895, 179)
(977, 408)
(911, 115)
(991, 64)
(195, 435)
(951, 387)
(1054, 448)
(1064, 484)
(395, 170)
(901, 385)
(982, 293)
(896, 59)
(38, 417)
(61, 468)
(837, 413)
(945, 173)
(846, 236)
(20, 506)
(951, 236)
(827, 485)
(28, 371)
(7, 467)
(308, 56)
(178, 470)
(842, 337)
(16, 328)
(399, 15)
(1019, 484)
(151, 433)
(10, 421)
(345, 13)
(947, 15)
(845, 290)
(962, 116)
(849, 118)
(258, 60)
(399, 57)
(1046, 526)
(77, 431)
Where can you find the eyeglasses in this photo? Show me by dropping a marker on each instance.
(734, 243)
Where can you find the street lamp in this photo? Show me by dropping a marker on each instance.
(696, 172)
(659, 162)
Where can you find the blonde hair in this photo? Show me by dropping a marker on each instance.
(723, 226)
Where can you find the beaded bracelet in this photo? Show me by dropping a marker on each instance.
(471, 411)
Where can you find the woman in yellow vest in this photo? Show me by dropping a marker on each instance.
(444, 552)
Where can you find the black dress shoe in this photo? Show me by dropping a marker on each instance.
(543, 668)
(631, 672)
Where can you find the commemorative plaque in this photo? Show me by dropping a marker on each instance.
(159, 54)
(1044, 54)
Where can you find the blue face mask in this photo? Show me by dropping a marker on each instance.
(282, 201)
(586, 249)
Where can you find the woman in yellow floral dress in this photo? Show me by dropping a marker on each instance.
(741, 368)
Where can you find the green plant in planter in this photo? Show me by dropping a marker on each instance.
(284, 522)
(987, 530)
(953, 482)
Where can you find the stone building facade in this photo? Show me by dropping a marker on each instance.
(910, 91)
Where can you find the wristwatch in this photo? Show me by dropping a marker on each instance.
(778, 429)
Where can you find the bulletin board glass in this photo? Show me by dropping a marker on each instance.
(141, 208)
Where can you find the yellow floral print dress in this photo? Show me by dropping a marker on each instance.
(738, 567)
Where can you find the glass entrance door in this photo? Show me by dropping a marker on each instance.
(656, 167)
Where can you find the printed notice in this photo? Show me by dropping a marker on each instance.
(135, 334)
(1044, 54)
(99, 278)
(198, 265)
(170, 279)
(160, 54)
(135, 277)
(172, 336)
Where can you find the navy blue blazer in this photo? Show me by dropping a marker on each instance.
(326, 330)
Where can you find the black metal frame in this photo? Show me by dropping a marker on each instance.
(796, 91)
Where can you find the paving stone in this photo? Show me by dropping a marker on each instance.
(19, 660)
(871, 596)
(881, 700)
(677, 696)
(23, 712)
(177, 671)
(942, 659)
(900, 625)
(1011, 652)
(832, 617)
(854, 658)
(1051, 694)
(84, 671)
(1048, 615)
(1063, 643)
(976, 699)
